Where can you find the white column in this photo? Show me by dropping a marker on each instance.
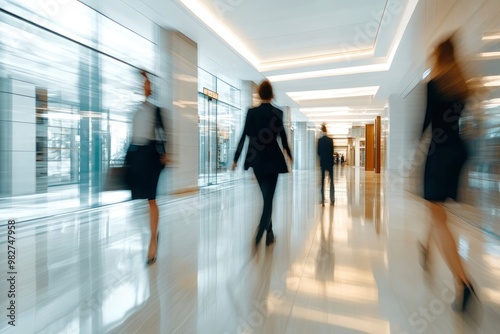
(405, 126)
(357, 185)
(178, 93)
(396, 139)
(357, 152)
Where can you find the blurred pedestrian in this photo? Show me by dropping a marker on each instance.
(325, 153)
(146, 157)
(263, 125)
(447, 92)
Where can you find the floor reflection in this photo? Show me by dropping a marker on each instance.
(349, 267)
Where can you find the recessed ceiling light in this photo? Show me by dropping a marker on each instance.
(489, 54)
(491, 81)
(324, 109)
(330, 72)
(342, 119)
(491, 104)
(314, 59)
(352, 110)
(491, 37)
(340, 115)
(333, 93)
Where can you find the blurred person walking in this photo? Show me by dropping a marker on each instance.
(263, 125)
(146, 157)
(325, 153)
(447, 93)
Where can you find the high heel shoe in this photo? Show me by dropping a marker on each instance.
(460, 305)
(270, 237)
(152, 260)
(258, 236)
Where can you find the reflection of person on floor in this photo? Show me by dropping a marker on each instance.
(263, 125)
(447, 92)
(145, 161)
(325, 153)
(325, 261)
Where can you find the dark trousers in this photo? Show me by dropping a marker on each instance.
(332, 188)
(267, 184)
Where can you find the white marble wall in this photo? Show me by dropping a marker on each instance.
(18, 138)
(405, 125)
(178, 72)
(300, 146)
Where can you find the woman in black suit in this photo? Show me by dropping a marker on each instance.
(447, 92)
(263, 125)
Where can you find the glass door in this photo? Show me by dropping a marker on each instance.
(225, 140)
(219, 123)
(208, 141)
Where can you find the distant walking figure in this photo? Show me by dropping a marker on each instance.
(447, 92)
(325, 153)
(263, 125)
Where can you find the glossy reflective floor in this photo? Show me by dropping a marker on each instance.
(351, 267)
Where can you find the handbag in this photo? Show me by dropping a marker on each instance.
(119, 177)
(116, 179)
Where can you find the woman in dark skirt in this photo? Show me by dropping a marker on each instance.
(447, 92)
(145, 162)
(263, 125)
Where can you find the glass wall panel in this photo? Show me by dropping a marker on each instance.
(206, 80)
(228, 94)
(84, 78)
(69, 18)
(121, 96)
(133, 49)
(207, 140)
(220, 121)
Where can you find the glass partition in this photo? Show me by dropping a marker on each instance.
(219, 124)
(80, 85)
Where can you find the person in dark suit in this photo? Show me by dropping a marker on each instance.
(263, 125)
(325, 153)
(447, 92)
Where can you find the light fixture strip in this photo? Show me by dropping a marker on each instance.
(341, 114)
(491, 37)
(206, 16)
(382, 67)
(334, 93)
(489, 54)
(314, 59)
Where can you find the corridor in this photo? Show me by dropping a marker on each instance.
(351, 267)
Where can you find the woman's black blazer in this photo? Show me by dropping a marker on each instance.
(262, 126)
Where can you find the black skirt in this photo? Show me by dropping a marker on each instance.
(143, 172)
(442, 171)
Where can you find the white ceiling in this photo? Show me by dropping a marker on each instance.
(316, 46)
(300, 45)
(291, 29)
